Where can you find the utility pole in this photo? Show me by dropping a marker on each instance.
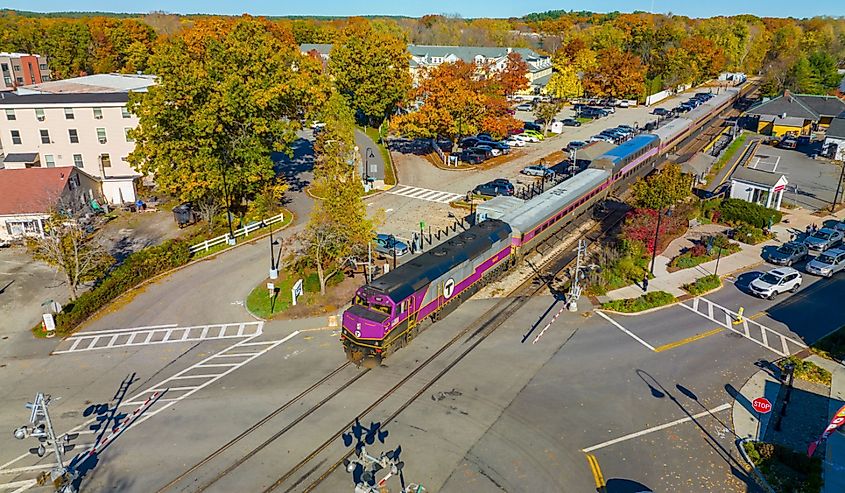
(42, 429)
(364, 466)
(838, 186)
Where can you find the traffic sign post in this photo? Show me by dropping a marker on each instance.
(762, 406)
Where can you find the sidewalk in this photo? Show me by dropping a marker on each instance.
(749, 256)
(834, 464)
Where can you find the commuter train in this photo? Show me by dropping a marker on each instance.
(386, 313)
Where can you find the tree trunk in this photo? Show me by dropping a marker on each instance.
(71, 287)
(321, 275)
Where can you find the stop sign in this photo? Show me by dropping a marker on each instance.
(761, 405)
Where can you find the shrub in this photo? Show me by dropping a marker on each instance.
(698, 250)
(703, 285)
(644, 302)
(749, 234)
(137, 267)
(736, 210)
(807, 370)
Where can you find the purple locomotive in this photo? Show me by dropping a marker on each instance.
(385, 314)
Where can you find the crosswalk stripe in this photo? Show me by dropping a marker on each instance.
(426, 194)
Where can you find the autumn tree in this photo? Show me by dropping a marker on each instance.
(369, 64)
(564, 82)
(514, 75)
(457, 99)
(70, 249)
(208, 130)
(546, 111)
(616, 74)
(662, 189)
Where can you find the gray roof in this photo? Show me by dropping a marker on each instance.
(594, 150)
(756, 176)
(698, 164)
(10, 99)
(539, 209)
(837, 128)
(789, 121)
(96, 83)
(806, 106)
(21, 157)
(322, 48)
(497, 207)
(468, 53)
(541, 81)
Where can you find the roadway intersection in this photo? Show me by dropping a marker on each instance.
(587, 401)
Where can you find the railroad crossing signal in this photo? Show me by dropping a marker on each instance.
(364, 467)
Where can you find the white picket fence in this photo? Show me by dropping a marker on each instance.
(245, 231)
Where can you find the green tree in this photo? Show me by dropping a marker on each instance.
(68, 247)
(546, 111)
(660, 190)
(370, 68)
(564, 82)
(205, 122)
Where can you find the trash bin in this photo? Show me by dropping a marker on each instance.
(183, 215)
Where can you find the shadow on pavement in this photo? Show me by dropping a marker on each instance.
(809, 313)
(293, 168)
(617, 485)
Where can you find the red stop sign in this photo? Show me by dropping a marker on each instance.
(762, 405)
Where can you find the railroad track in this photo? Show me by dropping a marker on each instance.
(185, 475)
(479, 329)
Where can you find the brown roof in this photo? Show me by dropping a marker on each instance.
(32, 190)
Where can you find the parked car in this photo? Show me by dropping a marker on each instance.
(839, 226)
(486, 149)
(498, 147)
(525, 107)
(532, 126)
(660, 111)
(627, 128)
(570, 122)
(605, 138)
(534, 133)
(775, 282)
(513, 141)
(828, 263)
(824, 239)
(503, 182)
(575, 144)
(526, 137)
(788, 253)
(492, 189)
(537, 170)
(387, 244)
(485, 136)
(468, 142)
(788, 143)
(471, 157)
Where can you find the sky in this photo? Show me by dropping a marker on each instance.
(465, 8)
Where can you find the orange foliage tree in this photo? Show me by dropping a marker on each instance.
(616, 74)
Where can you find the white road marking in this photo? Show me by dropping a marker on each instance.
(425, 194)
(20, 485)
(723, 407)
(163, 404)
(145, 336)
(623, 329)
(780, 346)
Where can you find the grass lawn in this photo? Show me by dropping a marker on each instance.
(262, 304)
(389, 175)
(784, 469)
(727, 155)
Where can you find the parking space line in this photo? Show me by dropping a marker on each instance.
(623, 329)
(697, 337)
(670, 424)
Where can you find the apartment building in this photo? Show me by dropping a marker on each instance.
(19, 69)
(427, 56)
(82, 122)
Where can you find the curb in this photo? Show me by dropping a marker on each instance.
(155, 278)
(757, 474)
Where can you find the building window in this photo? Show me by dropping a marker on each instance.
(17, 68)
(10, 115)
(5, 67)
(101, 135)
(20, 228)
(125, 112)
(39, 114)
(126, 133)
(49, 161)
(77, 160)
(16, 137)
(73, 136)
(68, 113)
(98, 113)
(45, 136)
(105, 160)
(19, 79)
(7, 80)
(42, 66)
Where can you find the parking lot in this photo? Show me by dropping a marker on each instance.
(812, 182)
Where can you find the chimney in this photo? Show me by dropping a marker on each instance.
(787, 96)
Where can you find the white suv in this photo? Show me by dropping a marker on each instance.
(775, 282)
(828, 263)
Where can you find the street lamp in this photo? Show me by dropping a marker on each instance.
(656, 234)
(274, 272)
